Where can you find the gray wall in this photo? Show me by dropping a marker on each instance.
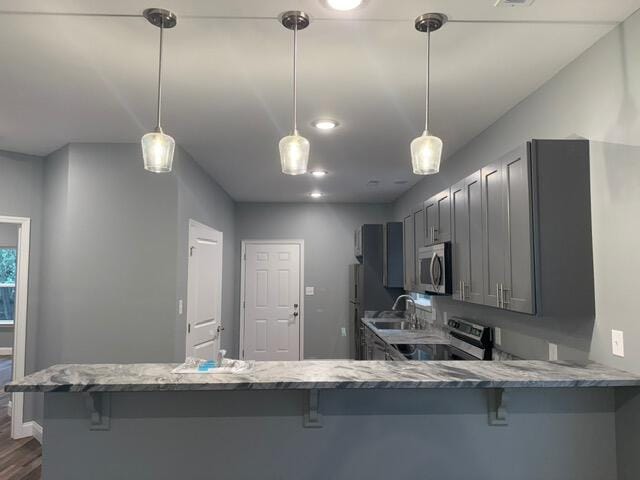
(200, 198)
(327, 230)
(8, 238)
(109, 262)
(21, 196)
(595, 97)
(553, 434)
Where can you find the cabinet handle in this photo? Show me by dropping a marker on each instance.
(504, 296)
(435, 233)
(498, 295)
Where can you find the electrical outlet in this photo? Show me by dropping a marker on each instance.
(497, 336)
(553, 352)
(309, 290)
(617, 342)
(343, 331)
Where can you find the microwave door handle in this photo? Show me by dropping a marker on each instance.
(433, 263)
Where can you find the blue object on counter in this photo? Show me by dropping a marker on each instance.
(206, 366)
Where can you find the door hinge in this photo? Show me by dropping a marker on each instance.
(188, 328)
(244, 256)
(191, 251)
(244, 305)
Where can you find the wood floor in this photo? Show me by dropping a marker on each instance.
(19, 459)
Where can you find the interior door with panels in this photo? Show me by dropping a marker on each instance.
(204, 292)
(518, 289)
(272, 302)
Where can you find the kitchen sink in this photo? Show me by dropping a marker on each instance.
(393, 325)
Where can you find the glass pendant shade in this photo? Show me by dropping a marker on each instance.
(157, 151)
(426, 152)
(294, 154)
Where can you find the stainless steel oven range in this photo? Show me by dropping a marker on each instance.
(467, 341)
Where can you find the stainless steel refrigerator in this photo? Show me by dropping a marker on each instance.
(366, 284)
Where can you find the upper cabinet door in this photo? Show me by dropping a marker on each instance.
(430, 219)
(494, 233)
(459, 239)
(419, 228)
(474, 291)
(437, 212)
(518, 283)
(409, 254)
(443, 228)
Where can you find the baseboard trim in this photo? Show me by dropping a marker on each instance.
(6, 350)
(33, 429)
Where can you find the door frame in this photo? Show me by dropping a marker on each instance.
(19, 429)
(243, 266)
(190, 238)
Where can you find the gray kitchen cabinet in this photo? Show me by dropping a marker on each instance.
(357, 242)
(409, 253)
(438, 218)
(419, 240)
(393, 257)
(466, 240)
(518, 287)
(508, 233)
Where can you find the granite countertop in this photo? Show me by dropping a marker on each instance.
(325, 374)
(429, 335)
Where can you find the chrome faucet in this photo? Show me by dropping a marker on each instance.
(408, 301)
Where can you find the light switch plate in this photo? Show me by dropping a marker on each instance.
(180, 307)
(309, 290)
(617, 342)
(343, 331)
(553, 352)
(497, 336)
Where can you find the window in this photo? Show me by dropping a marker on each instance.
(8, 269)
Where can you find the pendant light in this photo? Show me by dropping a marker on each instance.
(157, 146)
(294, 149)
(426, 150)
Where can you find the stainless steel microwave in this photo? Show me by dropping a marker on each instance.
(434, 269)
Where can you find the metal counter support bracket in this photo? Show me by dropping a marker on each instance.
(498, 414)
(312, 417)
(99, 407)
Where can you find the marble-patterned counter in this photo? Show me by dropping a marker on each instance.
(326, 374)
(430, 335)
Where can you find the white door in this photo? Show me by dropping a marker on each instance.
(272, 307)
(204, 292)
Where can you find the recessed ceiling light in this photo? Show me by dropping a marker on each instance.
(325, 124)
(319, 173)
(315, 194)
(344, 5)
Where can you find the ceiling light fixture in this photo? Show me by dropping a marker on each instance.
(157, 146)
(325, 124)
(319, 173)
(294, 149)
(426, 150)
(344, 5)
(315, 194)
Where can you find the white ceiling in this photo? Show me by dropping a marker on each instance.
(227, 82)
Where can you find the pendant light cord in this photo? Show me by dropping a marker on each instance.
(295, 78)
(427, 96)
(158, 127)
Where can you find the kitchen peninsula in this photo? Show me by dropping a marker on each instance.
(398, 418)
